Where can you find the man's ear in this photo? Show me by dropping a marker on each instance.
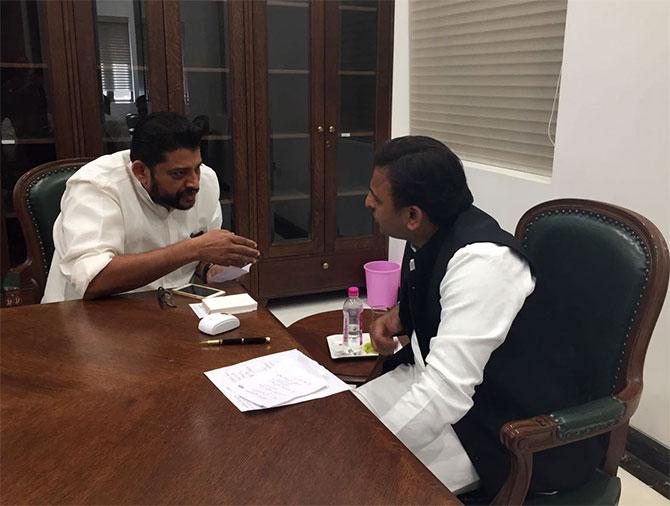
(142, 173)
(415, 218)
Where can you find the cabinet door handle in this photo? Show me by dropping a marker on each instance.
(319, 129)
(331, 129)
(325, 266)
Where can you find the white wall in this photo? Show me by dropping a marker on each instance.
(612, 142)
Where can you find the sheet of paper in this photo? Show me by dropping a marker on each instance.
(226, 379)
(229, 273)
(274, 387)
(198, 309)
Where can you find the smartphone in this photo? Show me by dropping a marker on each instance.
(198, 291)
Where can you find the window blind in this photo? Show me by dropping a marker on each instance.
(115, 64)
(483, 77)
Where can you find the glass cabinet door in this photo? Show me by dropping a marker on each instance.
(27, 121)
(206, 62)
(290, 79)
(355, 144)
(120, 29)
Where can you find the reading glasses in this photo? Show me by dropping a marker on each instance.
(164, 298)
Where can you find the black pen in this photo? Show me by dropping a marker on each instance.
(238, 340)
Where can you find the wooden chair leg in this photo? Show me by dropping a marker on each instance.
(615, 450)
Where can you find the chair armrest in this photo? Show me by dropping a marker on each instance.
(564, 426)
(592, 417)
(525, 437)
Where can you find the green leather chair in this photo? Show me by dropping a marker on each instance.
(37, 197)
(611, 264)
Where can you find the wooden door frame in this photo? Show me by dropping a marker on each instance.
(69, 82)
(85, 133)
(262, 134)
(237, 79)
(385, 10)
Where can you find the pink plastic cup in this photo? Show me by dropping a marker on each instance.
(382, 280)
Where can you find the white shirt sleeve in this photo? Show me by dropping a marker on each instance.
(210, 191)
(92, 233)
(483, 289)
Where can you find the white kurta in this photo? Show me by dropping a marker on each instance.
(105, 211)
(483, 289)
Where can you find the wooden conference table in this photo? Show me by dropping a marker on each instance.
(105, 402)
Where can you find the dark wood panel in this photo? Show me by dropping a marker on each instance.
(89, 88)
(241, 184)
(4, 248)
(156, 50)
(332, 84)
(248, 123)
(173, 56)
(65, 130)
(299, 275)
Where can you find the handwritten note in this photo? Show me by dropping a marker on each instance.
(275, 380)
(274, 387)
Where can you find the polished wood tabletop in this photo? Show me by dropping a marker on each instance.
(311, 332)
(105, 402)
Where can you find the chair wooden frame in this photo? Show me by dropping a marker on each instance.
(33, 271)
(525, 437)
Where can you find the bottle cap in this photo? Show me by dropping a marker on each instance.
(353, 291)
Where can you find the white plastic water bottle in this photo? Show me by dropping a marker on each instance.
(352, 337)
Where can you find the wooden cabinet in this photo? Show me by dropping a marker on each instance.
(27, 107)
(322, 105)
(294, 97)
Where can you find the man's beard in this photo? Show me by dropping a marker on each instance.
(171, 201)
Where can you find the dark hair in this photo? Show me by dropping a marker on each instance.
(424, 172)
(162, 132)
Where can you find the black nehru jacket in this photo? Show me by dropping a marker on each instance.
(528, 375)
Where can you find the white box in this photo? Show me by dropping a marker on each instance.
(231, 304)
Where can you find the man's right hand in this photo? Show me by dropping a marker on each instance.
(223, 247)
(383, 329)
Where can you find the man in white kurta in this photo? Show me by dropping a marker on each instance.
(105, 211)
(142, 219)
(483, 289)
(417, 193)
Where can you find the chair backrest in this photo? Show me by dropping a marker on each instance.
(37, 197)
(602, 276)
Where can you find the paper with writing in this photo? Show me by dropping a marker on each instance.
(227, 379)
(275, 387)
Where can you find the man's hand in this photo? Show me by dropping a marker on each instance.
(223, 247)
(383, 329)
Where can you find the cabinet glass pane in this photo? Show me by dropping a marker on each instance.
(27, 126)
(121, 51)
(288, 28)
(355, 146)
(207, 92)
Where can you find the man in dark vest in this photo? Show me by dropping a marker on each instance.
(446, 394)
